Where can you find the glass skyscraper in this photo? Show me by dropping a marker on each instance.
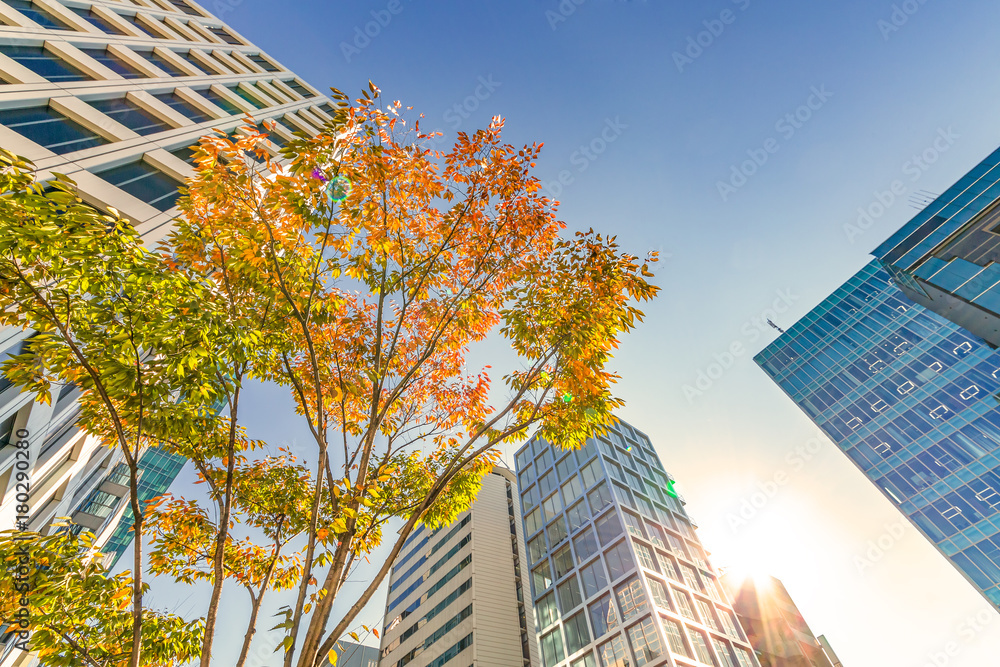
(912, 399)
(618, 576)
(945, 258)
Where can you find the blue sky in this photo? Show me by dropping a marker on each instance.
(643, 127)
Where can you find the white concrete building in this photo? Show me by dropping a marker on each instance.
(113, 94)
(457, 596)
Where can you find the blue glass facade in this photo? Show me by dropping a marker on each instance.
(618, 576)
(912, 399)
(947, 257)
(159, 470)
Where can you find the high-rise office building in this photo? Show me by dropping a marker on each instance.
(912, 399)
(774, 625)
(456, 595)
(618, 576)
(947, 258)
(114, 94)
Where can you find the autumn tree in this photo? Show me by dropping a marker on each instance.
(357, 271)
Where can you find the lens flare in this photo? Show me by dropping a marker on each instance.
(338, 188)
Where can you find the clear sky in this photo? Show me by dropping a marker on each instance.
(645, 107)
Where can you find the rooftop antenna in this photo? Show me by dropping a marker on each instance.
(775, 326)
(921, 199)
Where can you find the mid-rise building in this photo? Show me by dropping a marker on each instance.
(456, 595)
(912, 399)
(618, 575)
(114, 94)
(774, 625)
(350, 654)
(947, 258)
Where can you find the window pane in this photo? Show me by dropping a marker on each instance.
(585, 544)
(684, 605)
(659, 593)
(594, 579)
(577, 515)
(552, 648)
(183, 107)
(577, 634)
(569, 595)
(603, 617)
(668, 566)
(565, 467)
(50, 129)
(144, 182)
(613, 653)
(619, 560)
(37, 14)
(557, 531)
(631, 599)
(701, 647)
(114, 63)
(548, 612)
(533, 521)
(646, 557)
(591, 473)
(572, 489)
(674, 637)
(599, 498)
(43, 63)
(707, 617)
(552, 506)
(536, 548)
(722, 650)
(131, 115)
(634, 525)
(645, 642)
(562, 561)
(609, 527)
(541, 577)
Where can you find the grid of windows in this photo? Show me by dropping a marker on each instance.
(908, 396)
(587, 590)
